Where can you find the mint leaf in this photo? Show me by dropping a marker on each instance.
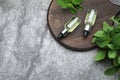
(77, 2)
(116, 20)
(115, 62)
(116, 29)
(102, 42)
(106, 27)
(112, 18)
(116, 40)
(72, 5)
(62, 3)
(72, 9)
(99, 34)
(111, 71)
(119, 71)
(100, 55)
(119, 59)
(94, 40)
(110, 46)
(78, 7)
(112, 54)
(102, 39)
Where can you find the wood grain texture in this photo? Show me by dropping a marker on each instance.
(57, 17)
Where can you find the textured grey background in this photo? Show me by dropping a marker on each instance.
(28, 51)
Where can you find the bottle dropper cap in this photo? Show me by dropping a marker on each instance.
(60, 36)
(86, 30)
(86, 33)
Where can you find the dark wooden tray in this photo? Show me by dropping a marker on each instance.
(57, 17)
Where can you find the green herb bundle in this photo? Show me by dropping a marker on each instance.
(108, 40)
(72, 5)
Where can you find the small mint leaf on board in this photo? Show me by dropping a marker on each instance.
(112, 54)
(100, 55)
(111, 71)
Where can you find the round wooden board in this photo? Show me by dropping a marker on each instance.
(57, 17)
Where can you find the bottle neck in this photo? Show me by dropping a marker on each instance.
(87, 27)
(65, 32)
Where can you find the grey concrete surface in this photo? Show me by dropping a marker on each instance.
(29, 52)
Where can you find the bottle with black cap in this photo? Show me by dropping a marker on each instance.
(70, 26)
(89, 21)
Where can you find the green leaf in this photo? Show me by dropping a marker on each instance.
(116, 29)
(106, 27)
(110, 46)
(115, 62)
(112, 54)
(79, 7)
(72, 5)
(119, 59)
(62, 3)
(116, 40)
(111, 71)
(94, 40)
(77, 2)
(112, 18)
(100, 55)
(119, 71)
(102, 39)
(72, 9)
(99, 34)
(115, 19)
(102, 42)
(111, 33)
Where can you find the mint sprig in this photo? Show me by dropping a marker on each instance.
(108, 41)
(72, 5)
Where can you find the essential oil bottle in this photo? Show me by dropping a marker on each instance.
(70, 26)
(89, 21)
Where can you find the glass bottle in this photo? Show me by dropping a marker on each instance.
(70, 26)
(89, 21)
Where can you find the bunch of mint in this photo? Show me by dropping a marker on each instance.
(108, 40)
(72, 5)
